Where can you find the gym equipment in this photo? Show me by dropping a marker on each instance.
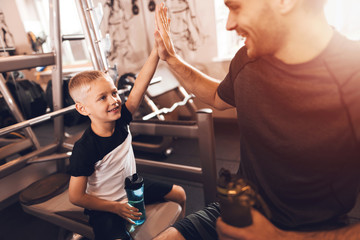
(90, 19)
(163, 82)
(135, 8)
(125, 84)
(50, 205)
(72, 118)
(6, 118)
(49, 200)
(29, 96)
(152, 5)
(17, 174)
(36, 42)
(44, 161)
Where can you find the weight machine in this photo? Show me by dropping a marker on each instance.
(45, 165)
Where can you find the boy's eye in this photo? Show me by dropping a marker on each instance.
(115, 93)
(102, 98)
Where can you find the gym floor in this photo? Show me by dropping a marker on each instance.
(16, 225)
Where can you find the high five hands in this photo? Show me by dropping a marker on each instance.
(163, 41)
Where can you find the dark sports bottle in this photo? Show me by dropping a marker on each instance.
(134, 187)
(236, 198)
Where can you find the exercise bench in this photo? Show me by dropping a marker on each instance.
(48, 199)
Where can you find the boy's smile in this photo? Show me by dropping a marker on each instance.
(102, 102)
(115, 109)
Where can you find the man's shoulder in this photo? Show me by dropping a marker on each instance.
(343, 59)
(241, 56)
(344, 48)
(352, 52)
(240, 60)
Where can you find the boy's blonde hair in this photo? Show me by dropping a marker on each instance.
(80, 83)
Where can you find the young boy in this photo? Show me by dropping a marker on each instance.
(103, 157)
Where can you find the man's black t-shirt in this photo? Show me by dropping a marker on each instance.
(300, 131)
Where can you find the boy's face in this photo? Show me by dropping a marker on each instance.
(102, 102)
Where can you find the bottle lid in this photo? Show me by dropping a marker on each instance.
(232, 185)
(133, 182)
(224, 178)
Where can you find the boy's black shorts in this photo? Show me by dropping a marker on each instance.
(155, 191)
(108, 225)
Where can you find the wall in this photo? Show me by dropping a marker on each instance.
(14, 23)
(132, 35)
(193, 33)
(16, 27)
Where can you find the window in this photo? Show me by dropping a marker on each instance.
(344, 16)
(35, 17)
(228, 42)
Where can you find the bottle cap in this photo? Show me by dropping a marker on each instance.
(133, 182)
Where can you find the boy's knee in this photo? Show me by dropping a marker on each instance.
(177, 194)
(182, 194)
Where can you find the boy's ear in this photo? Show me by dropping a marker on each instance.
(81, 109)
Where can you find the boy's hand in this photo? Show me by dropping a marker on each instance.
(126, 211)
(163, 41)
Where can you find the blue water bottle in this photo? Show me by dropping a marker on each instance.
(134, 186)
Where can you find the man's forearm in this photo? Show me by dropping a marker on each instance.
(194, 81)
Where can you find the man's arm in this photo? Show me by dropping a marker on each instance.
(263, 229)
(142, 81)
(201, 85)
(79, 197)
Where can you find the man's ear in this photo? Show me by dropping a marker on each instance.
(286, 6)
(81, 109)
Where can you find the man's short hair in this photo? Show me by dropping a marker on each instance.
(81, 81)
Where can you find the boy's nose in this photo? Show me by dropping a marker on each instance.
(115, 100)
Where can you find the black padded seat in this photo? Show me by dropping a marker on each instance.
(44, 189)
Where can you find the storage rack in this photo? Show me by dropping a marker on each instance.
(13, 63)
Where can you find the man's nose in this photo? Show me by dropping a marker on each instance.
(230, 23)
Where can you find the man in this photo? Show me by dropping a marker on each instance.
(296, 89)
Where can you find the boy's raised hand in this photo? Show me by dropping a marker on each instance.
(163, 41)
(126, 211)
